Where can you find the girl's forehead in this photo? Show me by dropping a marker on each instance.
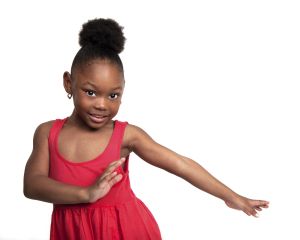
(99, 75)
(99, 70)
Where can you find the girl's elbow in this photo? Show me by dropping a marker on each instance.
(179, 168)
(182, 167)
(26, 191)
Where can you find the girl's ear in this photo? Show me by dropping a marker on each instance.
(67, 82)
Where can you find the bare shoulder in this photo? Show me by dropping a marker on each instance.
(134, 136)
(45, 126)
(43, 129)
(134, 131)
(38, 162)
(139, 142)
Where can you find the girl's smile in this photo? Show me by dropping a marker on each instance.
(97, 91)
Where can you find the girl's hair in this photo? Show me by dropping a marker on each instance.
(100, 39)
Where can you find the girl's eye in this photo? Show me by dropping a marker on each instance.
(113, 96)
(90, 93)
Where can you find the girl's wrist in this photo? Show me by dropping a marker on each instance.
(83, 194)
(231, 197)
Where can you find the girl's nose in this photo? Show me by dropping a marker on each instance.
(101, 103)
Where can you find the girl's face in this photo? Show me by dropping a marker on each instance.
(97, 89)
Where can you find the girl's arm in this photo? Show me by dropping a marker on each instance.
(37, 184)
(146, 148)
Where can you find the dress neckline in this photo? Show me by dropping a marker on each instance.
(115, 122)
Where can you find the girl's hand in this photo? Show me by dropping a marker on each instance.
(105, 182)
(248, 206)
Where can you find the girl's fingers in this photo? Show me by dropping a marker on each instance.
(117, 178)
(257, 206)
(108, 177)
(111, 167)
(263, 203)
(254, 213)
(115, 164)
(248, 213)
(112, 179)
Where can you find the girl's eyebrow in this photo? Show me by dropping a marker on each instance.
(89, 84)
(117, 88)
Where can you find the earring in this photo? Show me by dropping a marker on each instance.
(69, 95)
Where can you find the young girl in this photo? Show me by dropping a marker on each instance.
(80, 163)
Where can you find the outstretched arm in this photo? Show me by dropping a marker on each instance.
(146, 148)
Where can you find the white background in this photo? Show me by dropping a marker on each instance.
(217, 81)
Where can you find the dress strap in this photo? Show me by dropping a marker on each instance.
(119, 130)
(119, 134)
(57, 125)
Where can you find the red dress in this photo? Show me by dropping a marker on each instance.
(118, 215)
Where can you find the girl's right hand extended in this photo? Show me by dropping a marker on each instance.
(105, 182)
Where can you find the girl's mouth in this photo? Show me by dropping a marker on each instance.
(97, 118)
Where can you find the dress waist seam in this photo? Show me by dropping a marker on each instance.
(91, 205)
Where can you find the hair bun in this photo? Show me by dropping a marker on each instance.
(105, 33)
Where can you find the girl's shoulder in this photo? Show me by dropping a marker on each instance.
(43, 129)
(134, 134)
(132, 130)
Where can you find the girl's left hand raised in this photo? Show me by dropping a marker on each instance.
(248, 206)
